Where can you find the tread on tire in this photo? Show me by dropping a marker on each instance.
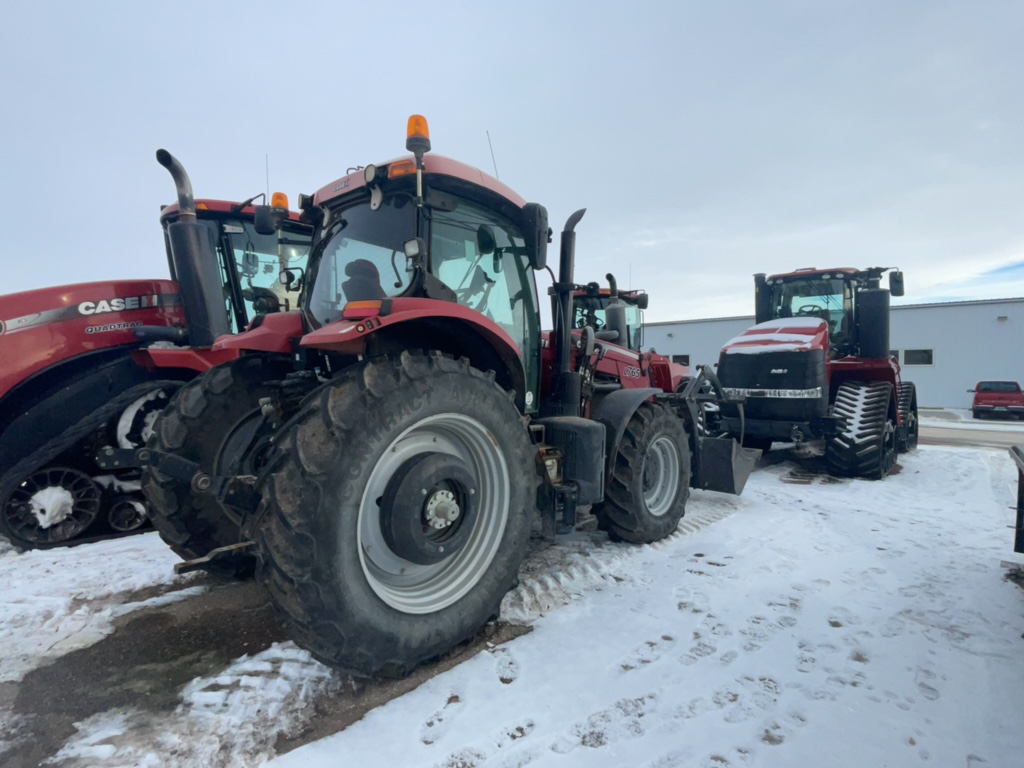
(340, 585)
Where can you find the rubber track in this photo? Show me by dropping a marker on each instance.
(855, 449)
(72, 436)
(908, 401)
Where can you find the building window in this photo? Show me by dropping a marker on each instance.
(917, 357)
(895, 353)
(681, 359)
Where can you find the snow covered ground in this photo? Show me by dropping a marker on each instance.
(810, 622)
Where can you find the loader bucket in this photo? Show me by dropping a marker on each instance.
(725, 465)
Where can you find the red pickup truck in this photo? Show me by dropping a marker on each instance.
(997, 397)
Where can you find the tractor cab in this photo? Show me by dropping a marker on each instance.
(435, 246)
(832, 295)
(590, 309)
(250, 259)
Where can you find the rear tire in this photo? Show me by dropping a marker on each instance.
(397, 512)
(864, 444)
(908, 434)
(205, 423)
(650, 481)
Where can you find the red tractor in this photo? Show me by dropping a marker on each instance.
(78, 374)
(817, 365)
(382, 455)
(616, 316)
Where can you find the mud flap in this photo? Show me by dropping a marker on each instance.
(725, 465)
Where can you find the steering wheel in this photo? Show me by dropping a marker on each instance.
(811, 310)
(590, 319)
(476, 294)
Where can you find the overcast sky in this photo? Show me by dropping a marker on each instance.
(708, 140)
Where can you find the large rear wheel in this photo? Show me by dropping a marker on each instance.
(214, 420)
(650, 480)
(864, 444)
(397, 512)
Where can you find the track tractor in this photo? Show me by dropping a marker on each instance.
(420, 425)
(90, 365)
(817, 366)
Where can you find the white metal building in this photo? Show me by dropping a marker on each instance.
(945, 349)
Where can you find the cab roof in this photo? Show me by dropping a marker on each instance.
(433, 164)
(217, 206)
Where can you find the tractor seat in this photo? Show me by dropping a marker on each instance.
(363, 281)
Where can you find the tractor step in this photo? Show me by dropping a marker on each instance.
(201, 562)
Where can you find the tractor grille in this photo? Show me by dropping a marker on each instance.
(777, 385)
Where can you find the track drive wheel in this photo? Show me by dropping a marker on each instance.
(908, 434)
(51, 506)
(864, 444)
(210, 421)
(397, 512)
(646, 494)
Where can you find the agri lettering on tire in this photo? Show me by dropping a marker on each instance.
(864, 444)
(210, 421)
(397, 512)
(645, 497)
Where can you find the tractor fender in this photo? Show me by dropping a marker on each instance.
(198, 359)
(274, 332)
(395, 325)
(614, 412)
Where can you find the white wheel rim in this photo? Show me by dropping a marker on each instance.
(661, 476)
(419, 589)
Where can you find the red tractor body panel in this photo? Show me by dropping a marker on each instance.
(43, 327)
(275, 333)
(791, 334)
(196, 359)
(666, 375)
(349, 335)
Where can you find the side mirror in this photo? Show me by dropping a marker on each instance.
(896, 283)
(641, 301)
(267, 220)
(250, 264)
(484, 240)
(538, 234)
(291, 279)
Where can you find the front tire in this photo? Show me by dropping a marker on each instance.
(397, 512)
(207, 422)
(650, 480)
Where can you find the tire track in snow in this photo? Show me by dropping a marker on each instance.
(551, 577)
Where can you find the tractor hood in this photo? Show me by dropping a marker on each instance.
(794, 334)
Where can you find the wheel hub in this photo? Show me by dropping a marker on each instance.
(428, 508)
(442, 509)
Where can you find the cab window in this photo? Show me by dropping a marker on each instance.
(482, 257)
